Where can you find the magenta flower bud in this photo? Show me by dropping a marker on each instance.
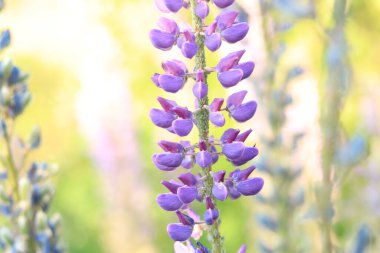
(229, 61)
(187, 194)
(174, 67)
(246, 67)
(223, 3)
(169, 159)
(170, 83)
(179, 232)
(233, 150)
(168, 25)
(230, 78)
(226, 19)
(216, 104)
(211, 28)
(200, 76)
(184, 219)
(203, 159)
(236, 99)
(213, 41)
(217, 119)
(202, 145)
(235, 33)
(172, 186)
(172, 147)
(182, 112)
(162, 40)
(209, 203)
(161, 118)
(248, 154)
(169, 201)
(244, 174)
(219, 176)
(242, 249)
(200, 90)
(243, 136)
(202, 10)
(251, 186)
(182, 127)
(229, 135)
(188, 179)
(219, 190)
(166, 104)
(244, 112)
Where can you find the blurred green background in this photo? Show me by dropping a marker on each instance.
(90, 64)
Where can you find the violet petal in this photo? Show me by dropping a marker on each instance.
(162, 40)
(160, 166)
(200, 90)
(171, 185)
(217, 119)
(248, 154)
(251, 186)
(173, 5)
(243, 136)
(170, 83)
(179, 232)
(247, 68)
(169, 201)
(230, 78)
(226, 19)
(203, 159)
(182, 127)
(213, 42)
(168, 25)
(235, 99)
(202, 10)
(189, 49)
(216, 104)
(169, 159)
(229, 61)
(233, 150)
(188, 179)
(187, 194)
(235, 33)
(161, 118)
(229, 135)
(220, 191)
(172, 147)
(223, 3)
(244, 112)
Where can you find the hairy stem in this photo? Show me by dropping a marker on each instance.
(202, 118)
(12, 169)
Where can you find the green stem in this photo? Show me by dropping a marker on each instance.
(202, 118)
(12, 169)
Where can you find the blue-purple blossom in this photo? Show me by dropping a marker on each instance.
(202, 182)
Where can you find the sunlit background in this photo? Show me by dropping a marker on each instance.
(90, 64)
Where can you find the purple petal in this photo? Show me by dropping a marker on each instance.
(234, 100)
(213, 42)
(179, 232)
(234, 194)
(220, 191)
(211, 28)
(166, 104)
(187, 194)
(215, 155)
(172, 147)
(244, 112)
(242, 249)
(162, 40)
(162, 6)
(154, 79)
(217, 119)
(169, 159)
(170, 83)
(189, 49)
(168, 25)
(169, 202)
(229, 135)
(244, 174)
(200, 90)
(235, 33)
(248, 154)
(202, 9)
(233, 150)
(174, 67)
(219, 176)
(182, 127)
(199, 76)
(226, 19)
(243, 136)
(223, 3)
(203, 159)
(172, 186)
(184, 219)
(247, 68)
(216, 104)
(187, 162)
(230, 78)
(229, 61)
(188, 179)
(160, 166)
(210, 216)
(251, 186)
(161, 118)
(173, 5)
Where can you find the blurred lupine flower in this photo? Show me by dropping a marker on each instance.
(202, 183)
(25, 192)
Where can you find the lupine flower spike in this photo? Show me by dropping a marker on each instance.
(203, 182)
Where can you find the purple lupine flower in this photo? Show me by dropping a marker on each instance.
(210, 185)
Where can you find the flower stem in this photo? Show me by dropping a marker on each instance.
(12, 170)
(202, 118)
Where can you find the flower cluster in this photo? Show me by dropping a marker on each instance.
(25, 192)
(206, 185)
